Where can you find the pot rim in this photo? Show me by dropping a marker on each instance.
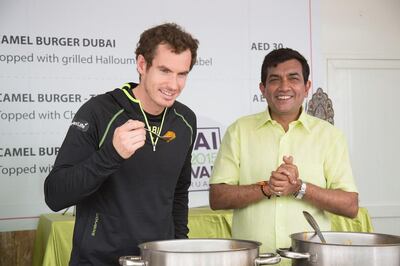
(342, 245)
(255, 243)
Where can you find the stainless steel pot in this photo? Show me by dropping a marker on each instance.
(343, 248)
(200, 252)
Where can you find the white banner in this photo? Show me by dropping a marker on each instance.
(55, 55)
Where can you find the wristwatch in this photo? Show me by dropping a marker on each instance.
(300, 194)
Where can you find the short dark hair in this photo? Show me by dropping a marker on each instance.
(282, 55)
(170, 34)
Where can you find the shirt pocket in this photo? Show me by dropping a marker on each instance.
(312, 173)
(102, 238)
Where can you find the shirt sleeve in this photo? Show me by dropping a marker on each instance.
(81, 166)
(181, 201)
(226, 167)
(181, 197)
(338, 171)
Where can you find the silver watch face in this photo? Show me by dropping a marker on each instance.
(302, 191)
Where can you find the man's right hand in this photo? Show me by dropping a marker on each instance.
(283, 181)
(129, 137)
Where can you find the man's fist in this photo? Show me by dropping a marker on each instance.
(129, 137)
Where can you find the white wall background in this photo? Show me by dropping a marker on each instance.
(360, 46)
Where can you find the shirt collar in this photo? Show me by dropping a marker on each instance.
(303, 119)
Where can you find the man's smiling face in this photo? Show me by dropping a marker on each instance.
(164, 80)
(285, 90)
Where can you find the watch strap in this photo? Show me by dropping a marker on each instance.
(302, 191)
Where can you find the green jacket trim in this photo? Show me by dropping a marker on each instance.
(109, 125)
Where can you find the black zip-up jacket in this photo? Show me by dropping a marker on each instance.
(121, 203)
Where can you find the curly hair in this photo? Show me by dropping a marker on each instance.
(282, 55)
(170, 34)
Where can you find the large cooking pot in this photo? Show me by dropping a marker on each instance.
(343, 248)
(200, 252)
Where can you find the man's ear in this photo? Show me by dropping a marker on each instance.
(141, 64)
(308, 87)
(262, 88)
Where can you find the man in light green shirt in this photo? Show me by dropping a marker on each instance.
(273, 165)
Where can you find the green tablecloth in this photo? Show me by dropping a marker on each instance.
(206, 223)
(53, 242)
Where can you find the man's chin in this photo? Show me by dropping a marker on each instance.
(168, 103)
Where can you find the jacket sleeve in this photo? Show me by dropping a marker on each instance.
(80, 167)
(181, 198)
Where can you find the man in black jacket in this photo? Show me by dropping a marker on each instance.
(130, 186)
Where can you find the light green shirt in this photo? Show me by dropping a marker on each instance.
(254, 146)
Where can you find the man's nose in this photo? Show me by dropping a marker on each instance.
(285, 84)
(173, 82)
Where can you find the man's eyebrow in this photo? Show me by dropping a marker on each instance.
(184, 72)
(294, 74)
(162, 67)
(273, 76)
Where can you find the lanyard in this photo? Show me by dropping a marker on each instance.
(153, 138)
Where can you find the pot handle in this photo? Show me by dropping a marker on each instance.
(131, 261)
(267, 259)
(289, 254)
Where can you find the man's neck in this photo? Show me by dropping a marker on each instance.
(285, 120)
